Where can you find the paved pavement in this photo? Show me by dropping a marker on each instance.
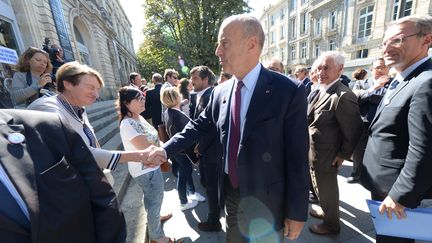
(356, 223)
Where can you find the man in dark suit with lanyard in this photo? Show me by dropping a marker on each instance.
(397, 164)
(51, 188)
(208, 147)
(260, 117)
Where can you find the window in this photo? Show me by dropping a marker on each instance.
(317, 50)
(362, 53)
(282, 13)
(318, 23)
(282, 32)
(282, 54)
(272, 37)
(401, 8)
(303, 47)
(272, 54)
(293, 28)
(293, 52)
(272, 20)
(365, 22)
(332, 45)
(303, 23)
(332, 20)
(293, 4)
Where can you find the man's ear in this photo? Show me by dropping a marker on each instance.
(428, 40)
(252, 43)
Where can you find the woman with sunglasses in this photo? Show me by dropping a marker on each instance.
(137, 134)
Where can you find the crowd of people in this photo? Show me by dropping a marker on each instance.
(266, 144)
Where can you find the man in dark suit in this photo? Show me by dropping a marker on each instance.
(369, 93)
(153, 103)
(301, 74)
(51, 188)
(208, 147)
(334, 128)
(260, 117)
(397, 164)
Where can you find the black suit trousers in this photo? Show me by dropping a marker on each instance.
(212, 189)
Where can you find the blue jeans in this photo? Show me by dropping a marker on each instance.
(152, 185)
(185, 183)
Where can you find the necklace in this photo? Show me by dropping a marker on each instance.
(65, 102)
(86, 129)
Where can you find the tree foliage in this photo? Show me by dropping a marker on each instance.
(186, 28)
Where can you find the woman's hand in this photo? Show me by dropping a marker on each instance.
(45, 78)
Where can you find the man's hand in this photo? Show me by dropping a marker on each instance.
(383, 80)
(293, 228)
(389, 206)
(156, 155)
(337, 162)
(196, 150)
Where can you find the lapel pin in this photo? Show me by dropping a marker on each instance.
(267, 91)
(16, 138)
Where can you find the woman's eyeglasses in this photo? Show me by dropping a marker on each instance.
(140, 98)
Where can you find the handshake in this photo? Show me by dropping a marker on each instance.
(153, 156)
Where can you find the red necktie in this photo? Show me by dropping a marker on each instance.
(234, 138)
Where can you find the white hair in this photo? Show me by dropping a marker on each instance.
(335, 55)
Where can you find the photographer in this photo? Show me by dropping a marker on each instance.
(33, 76)
(55, 55)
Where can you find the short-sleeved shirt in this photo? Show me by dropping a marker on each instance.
(129, 129)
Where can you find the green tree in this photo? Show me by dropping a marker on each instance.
(186, 28)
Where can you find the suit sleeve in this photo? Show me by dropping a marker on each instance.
(350, 123)
(296, 139)
(108, 219)
(191, 132)
(414, 178)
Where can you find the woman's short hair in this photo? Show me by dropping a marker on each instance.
(170, 97)
(125, 95)
(72, 72)
(23, 61)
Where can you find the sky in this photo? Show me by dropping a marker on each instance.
(135, 14)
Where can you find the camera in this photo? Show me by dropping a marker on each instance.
(51, 51)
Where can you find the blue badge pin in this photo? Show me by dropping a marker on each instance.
(16, 138)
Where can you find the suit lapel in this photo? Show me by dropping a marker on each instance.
(19, 166)
(387, 100)
(259, 101)
(323, 98)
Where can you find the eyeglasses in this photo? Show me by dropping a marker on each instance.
(397, 41)
(380, 68)
(140, 98)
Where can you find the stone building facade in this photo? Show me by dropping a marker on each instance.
(297, 31)
(94, 32)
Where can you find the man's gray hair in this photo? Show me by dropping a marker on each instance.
(423, 23)
(251, 27)
(335, 55)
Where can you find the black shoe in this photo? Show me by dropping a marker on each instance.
(210, 227)
(353, 179)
